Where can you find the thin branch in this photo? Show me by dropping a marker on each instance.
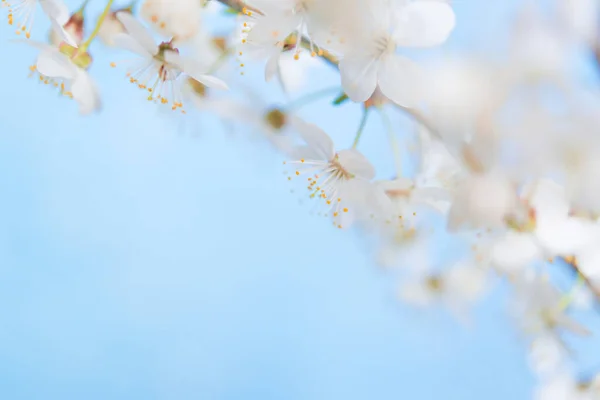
(240, 6)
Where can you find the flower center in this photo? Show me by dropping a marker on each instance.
(276, 118)
(382, 45)
(338, 170)
(434, 283)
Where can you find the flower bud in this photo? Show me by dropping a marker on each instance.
(73, 27)
(111, 27)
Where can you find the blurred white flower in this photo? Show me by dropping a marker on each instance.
(111, 28)
(547, 356)
(482, 201)
(370, 60)
(539, 309)
(457, 288)
(72, 80)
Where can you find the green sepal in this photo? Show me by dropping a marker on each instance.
(340, 99)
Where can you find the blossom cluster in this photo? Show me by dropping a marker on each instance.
(506, 147)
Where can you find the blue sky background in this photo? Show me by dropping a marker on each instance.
(142, 261)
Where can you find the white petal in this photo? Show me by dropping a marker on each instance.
(304, 153)
(56, 10)
(356, 163)
(85, 93)
(127, 42)
(549, 200)
(566, 236)
(416, 294)
(400, 80)
(210, 81)
(272, 66)
(424, 23)
(546, 355)
(359, 76)
(589, 262)
(273, 29)
(316, 138)
(138, 32)
(53, 64)
(514, 252)
(194, 70)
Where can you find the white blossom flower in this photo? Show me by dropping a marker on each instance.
(111, 28)
(547, 230)
(161, 67)
(458, 287)
(547, 356)
(281, 24)
(564, 386)
(370, 60)
(68, 75)
(340, 181)
(539, 308)
(482, 201)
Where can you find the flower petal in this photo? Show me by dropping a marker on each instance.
(356, 163)
(127, 42)
(194, 70)
(85, 92)
(138, 32)
(272, 65)
(56, 10)
(400, 80)
(514, 252)
(359, 76)
(567, 236)
(54, 64)
(316, 139)
(424, 23)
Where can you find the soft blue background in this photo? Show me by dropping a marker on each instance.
(143, 260)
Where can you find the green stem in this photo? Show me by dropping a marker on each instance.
(361, 127)
(393, 141)
(309, 98)
(83, 47)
